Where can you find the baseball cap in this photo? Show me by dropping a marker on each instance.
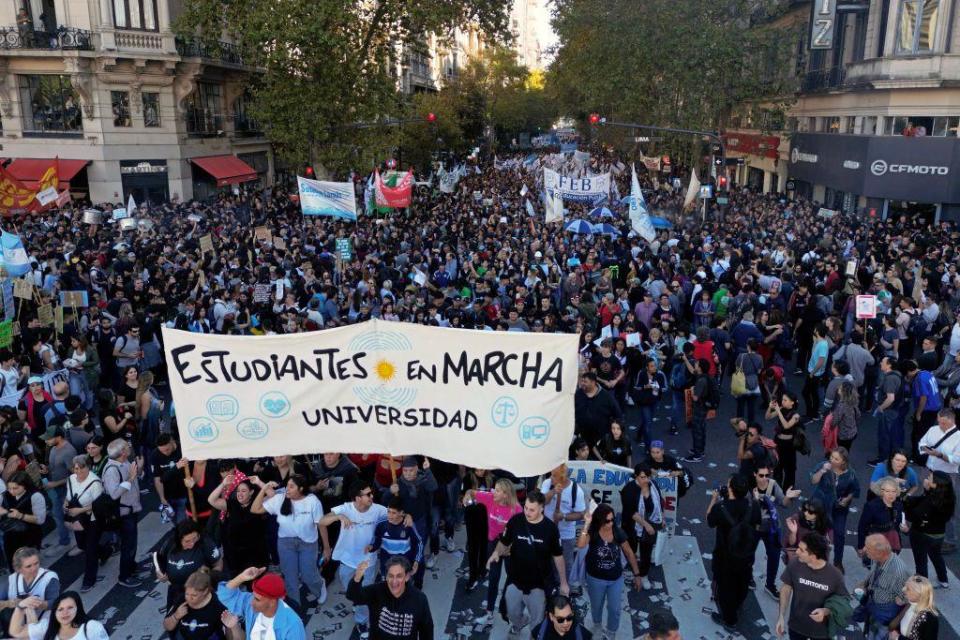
(53, 431)
(34, 380)
(410, 461)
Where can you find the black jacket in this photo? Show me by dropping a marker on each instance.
(410, 612)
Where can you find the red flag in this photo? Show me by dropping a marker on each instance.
(396, 197)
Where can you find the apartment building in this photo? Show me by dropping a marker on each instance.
(127, 108)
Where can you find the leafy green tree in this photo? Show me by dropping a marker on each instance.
(327, 64)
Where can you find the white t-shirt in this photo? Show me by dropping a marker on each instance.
(568, 529)
(353, 541)
(302, 522)
(11, 395)
(263, 627)
(87, 491)
(91, 630)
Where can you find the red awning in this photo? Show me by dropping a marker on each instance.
(30, 170)
(226, 169)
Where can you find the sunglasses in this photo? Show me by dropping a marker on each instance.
(564, 619)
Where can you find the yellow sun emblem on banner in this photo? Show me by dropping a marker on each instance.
(385, 370)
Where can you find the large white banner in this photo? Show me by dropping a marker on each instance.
(600, 481)
(335, 199)
(481, 399)
(587, 189)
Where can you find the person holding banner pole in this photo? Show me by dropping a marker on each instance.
(565, 504)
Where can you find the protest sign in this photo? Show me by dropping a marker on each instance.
(602, 482)
(74, 299)
(6, 333)
(23, 288)
(335, 199)
(467, 397)
(866, 307)
(669, 493)
(344, 248)
(587, 189)
(263, 233)
(45, 315)
(279, 243)
(206, 243)
(58, 319)
(261, 292)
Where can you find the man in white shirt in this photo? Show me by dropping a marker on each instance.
(9, 378)
(358, 521)
(941, 445)
(565, 505)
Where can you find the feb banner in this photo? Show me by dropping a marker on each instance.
(602, 482)
(588, 189)
(479, 399)
(395, 197)
(335, 199)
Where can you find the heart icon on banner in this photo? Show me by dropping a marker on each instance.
(274, 406)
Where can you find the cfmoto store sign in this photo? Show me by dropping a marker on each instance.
(882, 167)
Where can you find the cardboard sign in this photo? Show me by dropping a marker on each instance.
(668, 486)
(851, 268)
(344, 247)
(74, 299)
(23, 288)
(206, 243)
(279, 243)
(866, 307)
(6, 333)
(261, 293)
(58, 319)
(263, 233)
(45, 315)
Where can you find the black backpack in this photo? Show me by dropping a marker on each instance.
(740, 538)
(917, 327)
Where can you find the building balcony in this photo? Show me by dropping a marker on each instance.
(63, 39)
(905, 71)
(246, 127)
(223, 52)
(139, 40)
(822, 80)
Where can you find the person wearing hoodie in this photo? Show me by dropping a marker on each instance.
(398, 611)
(416, 488)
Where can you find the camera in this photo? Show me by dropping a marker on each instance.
(721, 488)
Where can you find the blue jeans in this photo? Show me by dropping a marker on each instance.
(747, 407)
(361, 614)
(771, 545)
(678, 408)
(839, 517)
(128, 546)
(610, 590)
(646, 423)
(57, 496)
(889, 433)
(298, 563)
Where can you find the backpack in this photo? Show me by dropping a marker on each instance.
(542, 631)
(740, 538)
(678, 376)
(107, 510)
(917, 327)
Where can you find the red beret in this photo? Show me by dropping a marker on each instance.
(270, 585)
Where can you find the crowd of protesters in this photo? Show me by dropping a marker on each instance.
(755, 302)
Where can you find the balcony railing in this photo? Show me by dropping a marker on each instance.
(224, 51)
(64, 38)
(823, 79)
(246, 127)
(139, 40)
(204, 124)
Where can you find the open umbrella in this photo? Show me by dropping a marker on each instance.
(601, 212)
(606, 229)
(579, 226)
(660, 223)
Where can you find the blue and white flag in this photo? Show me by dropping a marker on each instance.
(14, 255)
(530, 210)
(335, 199)
(639, 216)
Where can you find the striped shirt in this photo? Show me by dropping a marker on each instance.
(886, 581)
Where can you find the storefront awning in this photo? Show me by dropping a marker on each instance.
(226, 169)
(31, 170)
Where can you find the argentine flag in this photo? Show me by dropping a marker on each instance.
(639, 216)
(14, 255)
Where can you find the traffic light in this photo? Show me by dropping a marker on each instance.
(722, 182)
(308, 172)
(594, 118)
(431, 117)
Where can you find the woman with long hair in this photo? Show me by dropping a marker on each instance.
(606, 544)
(23, 511)
(920, 620)
(647, 520)
(244, 533)
(787, 418)
(846, 414)
(836, 487)
(298, 513)
(812, 518)
(500, 504)
(928, 515)
(68, 620)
